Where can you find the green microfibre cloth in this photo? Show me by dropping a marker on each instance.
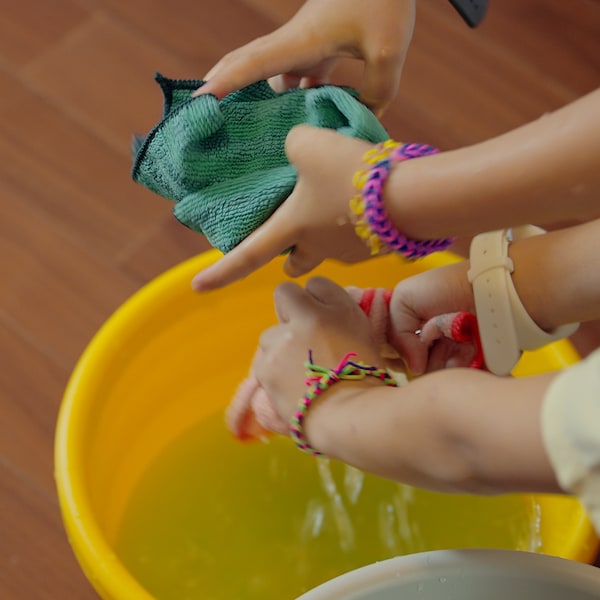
(223, 162)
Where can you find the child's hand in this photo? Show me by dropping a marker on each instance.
(314, 220)
(418, 299)
(304, 50)
(322, 318)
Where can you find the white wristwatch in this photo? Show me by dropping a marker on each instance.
(505, 327)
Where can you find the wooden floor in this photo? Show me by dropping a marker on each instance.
(77, 237)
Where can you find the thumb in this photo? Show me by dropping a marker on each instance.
(302, 141)
(380, 84)
(300, 262)
(413, 351)
(319, 149)
(329, 293)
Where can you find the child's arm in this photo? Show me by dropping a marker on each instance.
(555, 276)
(456, 429)
(546, 172)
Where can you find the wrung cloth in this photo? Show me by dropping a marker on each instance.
(223, 162)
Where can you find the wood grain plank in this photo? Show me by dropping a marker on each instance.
(74, 179)
(561, 40)
(198, 32)
(170, 244)
(36, 562)
(28, 28)
(53, 289)
(102, 76)
(31, 388)
(461, 86)
(277, 12)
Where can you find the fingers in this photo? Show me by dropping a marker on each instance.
(328, 292)
(292, 301)
(303, 142)
(414, 353)
(278, 234)
(300, 262)
(315, 149)
(286, 81)
(384, 49)
(380, 83)
(262, 58)
(240, 68)
(261, 246)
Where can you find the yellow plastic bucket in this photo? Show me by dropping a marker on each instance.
(168, 361)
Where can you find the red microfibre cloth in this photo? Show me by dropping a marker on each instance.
(251, 415)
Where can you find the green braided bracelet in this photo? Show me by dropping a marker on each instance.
(320, 379)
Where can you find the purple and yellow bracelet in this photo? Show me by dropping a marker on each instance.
(372, 222)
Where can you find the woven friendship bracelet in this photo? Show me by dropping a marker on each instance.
(373, 223)
(320, 379)
(357, 206)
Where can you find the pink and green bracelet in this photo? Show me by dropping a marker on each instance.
(372, 221)
(320, 379)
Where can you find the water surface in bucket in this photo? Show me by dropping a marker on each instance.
(214, 519)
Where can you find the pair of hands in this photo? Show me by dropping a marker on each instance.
(314, 220)
(324, 318)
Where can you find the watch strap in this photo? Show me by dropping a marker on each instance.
(506, 328)
(489, 264)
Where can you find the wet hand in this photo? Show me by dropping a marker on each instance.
(419, 300)
(320, 317)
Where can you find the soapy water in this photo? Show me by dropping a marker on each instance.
(214, 519)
